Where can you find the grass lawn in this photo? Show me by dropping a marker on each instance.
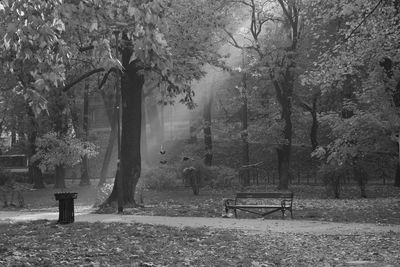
(44, 243)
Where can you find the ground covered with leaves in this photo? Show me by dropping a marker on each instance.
(310, 203)
(44, 243)
(382, 204)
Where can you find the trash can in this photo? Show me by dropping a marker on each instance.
(66, 207)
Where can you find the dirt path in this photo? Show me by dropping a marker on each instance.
(256, 226)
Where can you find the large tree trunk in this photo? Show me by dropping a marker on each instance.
(284, 92)
(85, 180)
(131, 91)
(207, 130)
(34, 172)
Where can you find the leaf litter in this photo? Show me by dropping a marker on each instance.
(44, 243)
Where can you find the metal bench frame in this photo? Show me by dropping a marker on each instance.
(286, 203)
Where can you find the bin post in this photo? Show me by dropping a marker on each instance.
(66, 212)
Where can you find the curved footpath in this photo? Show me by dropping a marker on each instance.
(255, 226)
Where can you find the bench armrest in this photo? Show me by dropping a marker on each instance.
(228, 201)
(288, 201)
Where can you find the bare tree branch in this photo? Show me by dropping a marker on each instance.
(84, 76)
(105, 77)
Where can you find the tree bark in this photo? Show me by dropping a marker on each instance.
(245, 134)
(131, 90)
(59, 177)
(314, 126)
(85, 179)
(397, 177)
(284, 92)
(207, 130)
(34, 172)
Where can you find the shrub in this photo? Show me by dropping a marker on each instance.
(224, 177)
(159, 178)
(54, 150)
(7, 176)
(333, 177)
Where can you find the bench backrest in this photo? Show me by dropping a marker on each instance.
(264, 195)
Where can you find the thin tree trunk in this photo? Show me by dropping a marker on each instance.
(397, 177)
(131, 88)
(207, 130)
(34, 172)
(85, 179)
(245, 134)
(162, 124)
(314, 126)
(13, 137)
(59, 177)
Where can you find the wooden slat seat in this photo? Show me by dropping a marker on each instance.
(283, 202)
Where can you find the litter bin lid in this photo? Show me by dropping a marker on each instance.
(65, 195)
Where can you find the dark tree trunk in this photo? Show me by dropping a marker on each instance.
(34, 172)
(207, 131)
(314, 126)
(13, 137)
(284, 85)
(360, 177)
(85, 179)
(59, 177)
(245, 134)
(284, 92)
(397, 177)
(131, 92)
(387, 65)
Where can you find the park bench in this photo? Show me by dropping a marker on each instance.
(261, 203)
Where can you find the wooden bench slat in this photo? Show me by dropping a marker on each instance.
(255, 206)
(285, 199)
(264, 195)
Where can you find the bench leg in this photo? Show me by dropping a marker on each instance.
(235, 213)
(283, 213)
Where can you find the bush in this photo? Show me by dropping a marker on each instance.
(9, 176)
(333, 177)
(159, 178)
(224, 177)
